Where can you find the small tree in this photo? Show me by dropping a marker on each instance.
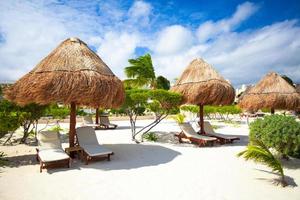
(162, 83)
(134, 106)
(32, 113)
(162, 103)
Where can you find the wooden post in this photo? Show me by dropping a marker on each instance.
(97, 115)
(201, 122)
(72, 125)
(272, 111)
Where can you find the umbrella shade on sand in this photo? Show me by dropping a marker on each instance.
(201, 85)
(71, 74)
(272, 92)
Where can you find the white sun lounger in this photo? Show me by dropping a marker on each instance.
(222, 137)
(188, 132)
(50, 152)
(104, 121)
(88, 141)
(88, 121)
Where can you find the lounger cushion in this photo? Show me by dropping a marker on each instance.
(96, 150)
(49, 140)
(86, 136)
(49, 155)
(209, 130)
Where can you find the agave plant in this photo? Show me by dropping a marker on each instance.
(259, 152)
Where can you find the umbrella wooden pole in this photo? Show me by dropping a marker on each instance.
(272, 111)
(72, 125)
(201, 122)
(97, 115)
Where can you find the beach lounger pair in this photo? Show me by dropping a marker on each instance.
(51, 154)
(104, 123)
(188, 132)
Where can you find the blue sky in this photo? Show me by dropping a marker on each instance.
(243, 40)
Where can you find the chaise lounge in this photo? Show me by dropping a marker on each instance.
(50, 152)
(104, 121)
(221, 137)
(188, 132)
(87, 139)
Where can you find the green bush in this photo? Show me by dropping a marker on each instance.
(279, 132)
(179, 118)
(150, 137)
(57, 112)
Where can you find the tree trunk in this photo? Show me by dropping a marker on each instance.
(201, 122)
(72, 125)
(97, 115)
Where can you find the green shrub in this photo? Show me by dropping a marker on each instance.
(55, 128)
(179, 118)
(150, 137)
(279, 132)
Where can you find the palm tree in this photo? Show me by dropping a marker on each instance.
(141, 72)
(259, 152)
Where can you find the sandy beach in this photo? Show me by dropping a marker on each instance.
(151, 170)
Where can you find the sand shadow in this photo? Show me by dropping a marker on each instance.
(292, 163)
(21, 160)
(124, 128)
(169, 137)
(132, 156)
(290, 181)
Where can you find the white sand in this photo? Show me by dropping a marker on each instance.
(150, 171)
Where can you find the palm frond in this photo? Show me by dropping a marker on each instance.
(259, 152)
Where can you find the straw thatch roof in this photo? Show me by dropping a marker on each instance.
(271, 92)
(201, 84)
(70, 73)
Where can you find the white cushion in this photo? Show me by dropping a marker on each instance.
(86, 136)
(49, 140)
(49, 155)
(96, 150)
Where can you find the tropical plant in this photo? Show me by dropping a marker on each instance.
(162, 103)
(57, 112)
(134, 105)
(279, 132)
(259, 152)
(140, 72)
(150, 137)
(11, 118)
(56, 128)
(162, 83)
(179, 118)
(32, 113)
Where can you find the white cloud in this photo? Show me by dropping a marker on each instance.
(116, 48)
(173, 39)
(140, 12)
(209, 29)
(31, 29)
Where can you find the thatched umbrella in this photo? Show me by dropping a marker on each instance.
(272, 92)
(71, 74)
(201, 85)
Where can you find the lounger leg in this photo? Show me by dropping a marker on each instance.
(108, 157)
(41, 167)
